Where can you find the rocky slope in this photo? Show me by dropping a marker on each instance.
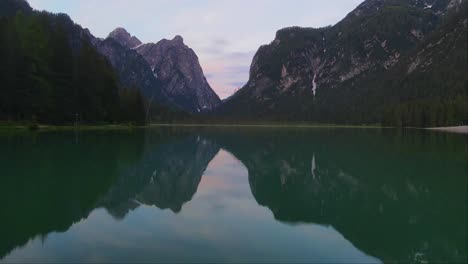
(124, 38)
(131, 68)
(177, 67)
(328, 74)
(167, 72)
(10, 7)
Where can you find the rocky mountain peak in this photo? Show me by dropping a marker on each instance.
(177, 67)
(178, 39)
(124, 38)
(177, 42)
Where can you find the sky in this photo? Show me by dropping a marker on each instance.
(225, 34)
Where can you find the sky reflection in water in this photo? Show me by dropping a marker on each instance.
(236, 196)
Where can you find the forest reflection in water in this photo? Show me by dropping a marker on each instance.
(385, 195)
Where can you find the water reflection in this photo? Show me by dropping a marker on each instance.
(398, 197)
(48, 183)
(167, 176)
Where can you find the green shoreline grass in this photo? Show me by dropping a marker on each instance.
(41, 127)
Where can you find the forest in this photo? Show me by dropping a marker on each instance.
(49, 75)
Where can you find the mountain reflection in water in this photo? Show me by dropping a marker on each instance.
(397, 196)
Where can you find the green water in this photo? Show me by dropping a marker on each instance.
(233, 195)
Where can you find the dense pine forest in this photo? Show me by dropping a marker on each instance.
(47, 80)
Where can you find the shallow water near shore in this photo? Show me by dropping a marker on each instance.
(233, 194)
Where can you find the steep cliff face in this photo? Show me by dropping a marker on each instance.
(177, 67)
(323, 74)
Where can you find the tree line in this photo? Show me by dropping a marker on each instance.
(50, 75)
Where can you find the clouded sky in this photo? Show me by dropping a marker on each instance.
(225, 34)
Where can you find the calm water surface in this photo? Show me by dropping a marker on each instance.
(233, 195)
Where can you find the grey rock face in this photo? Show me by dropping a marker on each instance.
(132, 70)
(124, 38)
(177, 67)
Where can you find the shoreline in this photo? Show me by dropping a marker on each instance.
(42, 127)
(453, 129)
(287, 125)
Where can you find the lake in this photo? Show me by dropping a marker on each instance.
(234, 194)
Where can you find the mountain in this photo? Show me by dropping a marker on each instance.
(177, 67)
(334, 74)
(124, 38)
(168, 72)
(11, 7)
(432, 79)
(132, 69)
(134, 72)
(393, 62)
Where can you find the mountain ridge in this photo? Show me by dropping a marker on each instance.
(321, 74)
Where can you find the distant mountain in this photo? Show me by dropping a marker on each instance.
(177, 67)
(335, 74)
(168, 71)
(132, 69)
